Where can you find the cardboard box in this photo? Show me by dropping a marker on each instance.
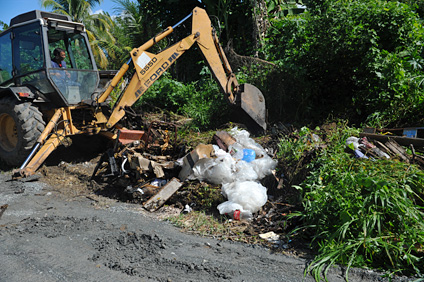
(200, 152)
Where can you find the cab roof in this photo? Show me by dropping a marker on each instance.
(37, 14)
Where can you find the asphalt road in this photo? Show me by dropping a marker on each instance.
(46, 237)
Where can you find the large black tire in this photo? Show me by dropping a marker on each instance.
(20, 126)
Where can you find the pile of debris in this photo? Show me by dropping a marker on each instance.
(151, 167)
(389, 143)
(142, 162)
(238, 163)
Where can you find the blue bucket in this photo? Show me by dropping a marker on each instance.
(249, 155)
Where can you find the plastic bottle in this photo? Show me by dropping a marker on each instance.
(239, 215)
(236, 151)
(249, 155)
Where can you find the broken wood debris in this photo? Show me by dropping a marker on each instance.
(403, 136)
(394, 142)
(140, 158)
(163, 195)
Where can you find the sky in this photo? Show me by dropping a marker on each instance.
(12, 8)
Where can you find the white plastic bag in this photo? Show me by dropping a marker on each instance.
(245, 171)
(263, 166)
(216, 171)
(353, 143)
(236, 151)
(234, 210)
(242, 137)
(249, 194)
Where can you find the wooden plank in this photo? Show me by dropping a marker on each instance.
(404, 141)
(384, 148)
(398, 150)
(163, 195)
(419, 160)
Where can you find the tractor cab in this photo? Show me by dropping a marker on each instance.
(26, 55)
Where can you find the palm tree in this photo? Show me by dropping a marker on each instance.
(98, 26)
(137, 22)
(3, 26)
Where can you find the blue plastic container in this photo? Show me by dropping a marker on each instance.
(249, 155)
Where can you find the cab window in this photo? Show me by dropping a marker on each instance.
(27, 49)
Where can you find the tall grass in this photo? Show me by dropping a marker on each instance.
(363, 213)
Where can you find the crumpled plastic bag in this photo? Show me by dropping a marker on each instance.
(263, 166)
(226, 168)
(231, 209)
(215, 171)
(353, 143)
(250, 195)
(239, 178)
(242, 138)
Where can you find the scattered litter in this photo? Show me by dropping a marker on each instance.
(163, 195)
(237, 163)
(234, 210)
(224, 140)
(249, 194)
(270, 236)
(361, 148)
(403, 136)
(248, 155)
(187, 209)
(359, 154)
(353, 143)
(220, 167)
(159, 182)
(389, 143)
(188, 162)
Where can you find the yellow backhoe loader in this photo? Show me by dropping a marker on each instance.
(41, 105)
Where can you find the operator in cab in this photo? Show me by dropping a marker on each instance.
(59, 58)
(59, 62)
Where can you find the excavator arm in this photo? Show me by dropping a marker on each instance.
(149, 67)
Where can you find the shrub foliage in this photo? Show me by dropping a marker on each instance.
(353, 59)
(362, 212)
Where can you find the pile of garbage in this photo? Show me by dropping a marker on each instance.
(238, 163)
(363, 147)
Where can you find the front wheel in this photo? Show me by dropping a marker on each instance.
(20, 126)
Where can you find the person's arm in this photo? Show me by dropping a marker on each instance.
(54, 64)
(68, 75)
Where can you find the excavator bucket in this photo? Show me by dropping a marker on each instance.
(252, 102)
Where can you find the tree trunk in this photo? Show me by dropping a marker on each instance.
(261, 24)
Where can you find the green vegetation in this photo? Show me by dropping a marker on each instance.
(202, 100)
(361, 212)
(360, 61)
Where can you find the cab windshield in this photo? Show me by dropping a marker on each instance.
(76, 79)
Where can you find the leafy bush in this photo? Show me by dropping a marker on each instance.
(363, 213)
(350, 59)
(167, 93)
(202, 100)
